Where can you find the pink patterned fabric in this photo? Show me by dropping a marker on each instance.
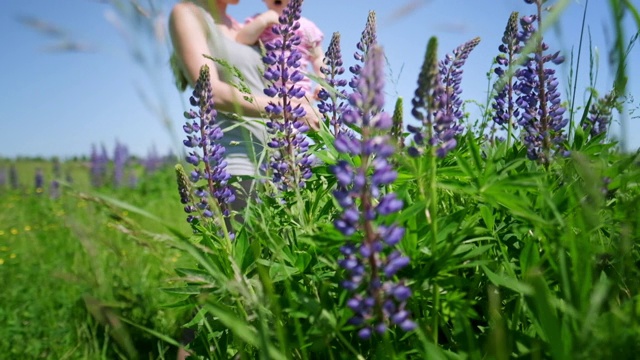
(311, 37)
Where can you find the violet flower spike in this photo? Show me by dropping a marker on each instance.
(503, 102)
(290, 162)
(449, 112)
(333, 101)
(39, 180)
(367, 40)
(209, 178)
(98, 166)
(536, 87)
(600, 115)
(436, 102)
(120, 158)
(378, 300)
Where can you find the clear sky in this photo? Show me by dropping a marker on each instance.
(85, 74)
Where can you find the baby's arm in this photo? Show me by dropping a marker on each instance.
(250, 32)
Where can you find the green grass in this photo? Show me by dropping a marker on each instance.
(509, 259)
(69, 265)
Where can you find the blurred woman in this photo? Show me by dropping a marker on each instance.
(203, 27)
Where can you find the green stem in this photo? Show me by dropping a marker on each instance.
(432, 218)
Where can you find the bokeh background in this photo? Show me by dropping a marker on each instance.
(82, 72)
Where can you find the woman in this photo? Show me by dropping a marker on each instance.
(202, 27)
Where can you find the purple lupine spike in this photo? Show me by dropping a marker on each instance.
(98, 165)
(120, 158)
(332, 103)
(600, 115)
(151, 163)
(3, 177)
(290, 163)
(451, 77)
(54, 189)
(503, 102)
(367, 40)
(371, 265)
(39, 180)
(432, 105)
(542, 115)
(209, 176)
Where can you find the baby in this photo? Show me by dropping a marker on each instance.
(259, 27)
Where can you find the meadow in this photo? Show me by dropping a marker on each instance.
(512, 235)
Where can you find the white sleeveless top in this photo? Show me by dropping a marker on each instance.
(244, 138)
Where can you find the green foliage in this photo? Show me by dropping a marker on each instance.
(509, 259)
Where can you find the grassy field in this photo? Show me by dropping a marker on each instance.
(514, 235)
(70, 266)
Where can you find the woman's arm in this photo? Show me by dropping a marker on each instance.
(250, 32)
(190, 44)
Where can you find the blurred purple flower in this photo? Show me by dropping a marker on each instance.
(54, 189)
(600, 115)
(3, 177)
(120, 158)
(39, 180)
(152, 161)
(332, 101)
(367, 40)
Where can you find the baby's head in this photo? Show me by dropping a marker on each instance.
(277, 5)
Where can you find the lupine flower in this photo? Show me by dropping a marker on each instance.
(3, 177)
(539, 100)
(367, 40)
(98, 165)
(503, 103)
(451, 76)
(206, 154)
(599, 118)
(332, 106)
(377, 299)
(290, 164)
(54, 189)
(39, 180)
(437, 102)
(120, 158)
(152, 161)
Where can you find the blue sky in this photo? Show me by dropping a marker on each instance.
(57, 102)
